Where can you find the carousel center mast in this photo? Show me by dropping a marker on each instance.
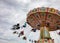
(44, 19)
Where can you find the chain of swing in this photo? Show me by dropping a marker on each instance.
(17, 27)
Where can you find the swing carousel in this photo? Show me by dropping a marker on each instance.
(44, 19)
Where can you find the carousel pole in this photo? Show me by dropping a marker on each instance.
(45, 35)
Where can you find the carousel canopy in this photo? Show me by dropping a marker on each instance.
(44, 16)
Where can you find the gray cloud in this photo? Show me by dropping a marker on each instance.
(14, 11)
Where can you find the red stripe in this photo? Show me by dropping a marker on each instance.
(42, 40)
(49, 41)
(46, 15)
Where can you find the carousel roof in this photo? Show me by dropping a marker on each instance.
(46, 16)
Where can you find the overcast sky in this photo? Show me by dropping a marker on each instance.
(15, 11)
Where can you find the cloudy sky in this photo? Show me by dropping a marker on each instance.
(15, 11)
